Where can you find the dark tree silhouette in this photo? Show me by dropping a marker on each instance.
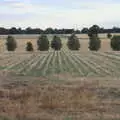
(94, 41)
(93, 30)
(11, 43)
(109, 35)
(29, 46)
(43, 43)
(56, 43)
(73, 42)
(115, 43)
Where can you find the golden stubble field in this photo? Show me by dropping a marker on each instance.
(80, 98)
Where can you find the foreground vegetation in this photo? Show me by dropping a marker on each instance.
(72, 99)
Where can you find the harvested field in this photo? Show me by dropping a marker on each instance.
(83, 64)
(77, 99)
(59, 85)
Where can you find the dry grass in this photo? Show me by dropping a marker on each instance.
(33, 101)
(55, 102)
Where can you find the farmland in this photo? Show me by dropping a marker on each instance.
(94, 64)
(59, 85)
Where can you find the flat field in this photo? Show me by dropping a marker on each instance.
(62, 85)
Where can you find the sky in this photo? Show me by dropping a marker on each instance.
(59, 13)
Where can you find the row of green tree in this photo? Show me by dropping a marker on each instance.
(73, 43)
(43, 43)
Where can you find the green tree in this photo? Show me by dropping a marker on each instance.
(94, 43)
(109, 35)
(56, 43)
(49, 31)
(43, 43)
(115, 43)
(73, 42)
(93, 30)
(29, 46)
(84, 30)
(11, 43)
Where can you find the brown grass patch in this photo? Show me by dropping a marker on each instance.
(54, 102)
(38, 100)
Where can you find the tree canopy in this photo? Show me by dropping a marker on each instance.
(73, 42)
(43, 43)
(11, 43)
(56, 43)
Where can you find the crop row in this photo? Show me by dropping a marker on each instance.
(94, 64)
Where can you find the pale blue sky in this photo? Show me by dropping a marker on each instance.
(59, 13)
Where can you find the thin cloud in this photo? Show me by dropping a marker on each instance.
(60, 14)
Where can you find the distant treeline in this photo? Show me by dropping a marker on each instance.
(29, 30)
